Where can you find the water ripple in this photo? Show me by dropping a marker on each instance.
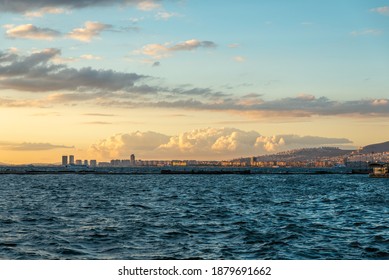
(194, 217)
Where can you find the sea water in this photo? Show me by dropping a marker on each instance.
(152, 216)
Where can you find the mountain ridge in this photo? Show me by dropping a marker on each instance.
(375, 148)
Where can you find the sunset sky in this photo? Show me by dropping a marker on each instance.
(190, 79)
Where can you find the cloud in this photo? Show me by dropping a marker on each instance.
(205, 143)
(234, 46)
(123, 145)
(90, 57)
(163, 15)
(148, 5)
(381, 10)
(97, 123)
(11, 103)
(99, 115)
(29, 31)
(367, 32)
(28, 6)
(90, 31)
(46, 10)
(258, 108)
(159, 51)
(239, 59)
(32, 146)
(37, 73)
(290, 142)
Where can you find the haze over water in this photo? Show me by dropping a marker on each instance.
(193, 217)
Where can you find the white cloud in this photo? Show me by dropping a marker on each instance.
(29, 31)
(239, 58)
(123, 145)
(91, 30)
(367, 32)
(206, 143)
(159, 51)
(165, 15)
(234, 46)
(148, 6)
(90, 57)
(381, 10)
(155, 50)
(380, 102)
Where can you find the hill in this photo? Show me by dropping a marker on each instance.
(306, 154)
(375, 148)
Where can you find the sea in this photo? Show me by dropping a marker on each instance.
(151, 216)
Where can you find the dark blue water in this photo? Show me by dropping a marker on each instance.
(194, 217)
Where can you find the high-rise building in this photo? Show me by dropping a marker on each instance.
(71, 159)
(64, 160)
(79, 162)
(86, 162)
(132, 157)
(93, 163)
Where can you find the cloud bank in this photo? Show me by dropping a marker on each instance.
(207, 143)
(32, 146)
(25, 6)
(37, 72)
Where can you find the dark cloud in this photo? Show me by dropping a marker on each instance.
(36, 73)
(196, 91)
(269, 109)
(22, 6)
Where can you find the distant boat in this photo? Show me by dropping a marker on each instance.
(380, 170)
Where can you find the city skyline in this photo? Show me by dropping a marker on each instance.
(190, 79)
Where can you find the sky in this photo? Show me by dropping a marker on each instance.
(190, 79)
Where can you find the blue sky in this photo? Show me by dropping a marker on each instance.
(273, 67)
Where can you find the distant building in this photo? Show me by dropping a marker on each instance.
(64, 160)
(132, 158)
(79, 162)
(86, 162)
(71, 159)
(179, 163)
(93, 163)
